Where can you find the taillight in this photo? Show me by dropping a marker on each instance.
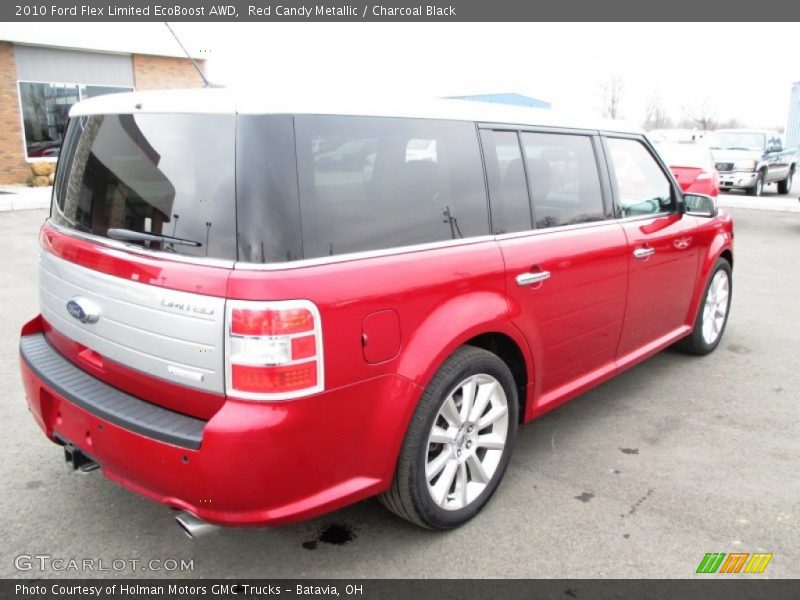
(273, 349)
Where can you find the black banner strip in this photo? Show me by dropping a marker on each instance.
(711, 588)
(392, 10)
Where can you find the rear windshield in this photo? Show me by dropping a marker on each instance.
(170, 177)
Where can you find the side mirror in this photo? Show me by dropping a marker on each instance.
(700, 205)
(774, 148)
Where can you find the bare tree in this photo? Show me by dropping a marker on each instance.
(655, 115)
(611, 96)
(702, 115)
(732, 123)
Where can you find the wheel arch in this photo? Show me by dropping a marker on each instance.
(510, 353)
(721, 247)
(480, 319)
(727, 254)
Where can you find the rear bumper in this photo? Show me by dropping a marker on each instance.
(738, 179)
(265, 463)
(104, 401)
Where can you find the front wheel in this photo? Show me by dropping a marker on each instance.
(458, 443)
(713, 314)
(785, 186)
(758, 188)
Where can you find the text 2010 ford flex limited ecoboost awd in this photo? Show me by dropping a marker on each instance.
(257, 314)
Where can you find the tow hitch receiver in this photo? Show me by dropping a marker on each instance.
(77, 460)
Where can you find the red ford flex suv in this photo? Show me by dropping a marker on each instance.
(257, 314)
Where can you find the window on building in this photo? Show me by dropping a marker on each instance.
(45, 110)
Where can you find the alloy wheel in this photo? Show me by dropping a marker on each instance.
(715, 310)
(466, 442)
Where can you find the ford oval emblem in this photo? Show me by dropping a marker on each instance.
(83, 309)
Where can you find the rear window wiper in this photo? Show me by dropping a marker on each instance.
(128, 235)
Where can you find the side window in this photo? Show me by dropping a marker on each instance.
(642, 187)
(369, 183)
(774, 141)
(508, 192)
(563, 178)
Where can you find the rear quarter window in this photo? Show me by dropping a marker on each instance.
(370, 183)
(268, 207)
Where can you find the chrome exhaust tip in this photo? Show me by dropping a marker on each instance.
(192, 526)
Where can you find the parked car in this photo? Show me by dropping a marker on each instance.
(751, 159)
(676, 136)
(692, 165)
(234, 330)
(46, 149)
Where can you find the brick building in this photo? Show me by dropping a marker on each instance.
(43, 71)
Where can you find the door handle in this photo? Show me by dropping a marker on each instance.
(641, 253)
(531, 278)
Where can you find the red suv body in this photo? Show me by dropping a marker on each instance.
(255, 315)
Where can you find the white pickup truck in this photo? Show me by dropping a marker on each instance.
(750, 159)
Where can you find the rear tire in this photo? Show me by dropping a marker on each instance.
(712, 316)
(785, 186)
(458, 443)
(758, 188)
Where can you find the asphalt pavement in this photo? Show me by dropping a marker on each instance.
(640, 477)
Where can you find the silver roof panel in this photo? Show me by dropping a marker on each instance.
(225, 101)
